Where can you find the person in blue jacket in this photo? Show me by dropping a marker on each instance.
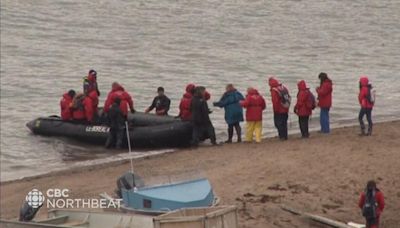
(233, 111)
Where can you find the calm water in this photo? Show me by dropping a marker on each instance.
(48, 46)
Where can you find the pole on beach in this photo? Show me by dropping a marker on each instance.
(129, 144)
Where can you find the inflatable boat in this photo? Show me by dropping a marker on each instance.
(146, 131)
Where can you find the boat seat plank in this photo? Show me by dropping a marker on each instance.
(55, 220)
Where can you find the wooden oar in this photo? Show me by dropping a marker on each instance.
(316, 218)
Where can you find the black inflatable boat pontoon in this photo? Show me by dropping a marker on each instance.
(147, 131)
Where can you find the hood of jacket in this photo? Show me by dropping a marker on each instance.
(190, 88)
(253, 92)
(66, 96)
(364, 81)
(301, 85)
(273, 82)
(117, 87)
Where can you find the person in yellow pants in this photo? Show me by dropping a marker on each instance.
(254, 105)
(253, 128)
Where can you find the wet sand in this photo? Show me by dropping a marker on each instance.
(322, 175)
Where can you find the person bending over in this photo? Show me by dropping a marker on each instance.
(66, 104)
(82, 109)
(117, 91)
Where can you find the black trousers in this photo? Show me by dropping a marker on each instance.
(280, 121)
(115, 137)
(365, 112)
(238, 131)
(203, 131)
(303, 123)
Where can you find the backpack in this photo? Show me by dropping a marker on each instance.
(284, 95)
(370, 206)
(311, 102)
(77, 102)
(371, 95)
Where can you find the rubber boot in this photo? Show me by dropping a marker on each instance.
(369, 133)
(230, 135)
(239, 133)
(363, 131)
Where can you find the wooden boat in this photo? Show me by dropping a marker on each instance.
(210, 217)
(160, 199)
(216, 217)
(75, 219)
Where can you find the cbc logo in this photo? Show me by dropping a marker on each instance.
(35, 198)
(57, 193)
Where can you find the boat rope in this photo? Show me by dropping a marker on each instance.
(129, 144)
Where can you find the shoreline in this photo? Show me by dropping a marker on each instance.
(121, 161)
(322, 175)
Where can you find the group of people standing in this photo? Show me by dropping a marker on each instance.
(83, 107)
(233, 102)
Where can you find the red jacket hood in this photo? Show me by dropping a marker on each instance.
(302, 85)
(273, 82)
(190, 88)
(66, 96)
(118, 88)
(253, 92)
(364, 81)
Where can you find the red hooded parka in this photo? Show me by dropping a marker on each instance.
(254, 104)
(65, 105)
(363, 95)
(126, 100)
(302, 107)
(276, 99)
(325, 94)
(82, 108)
(185, 112)
(380, 200)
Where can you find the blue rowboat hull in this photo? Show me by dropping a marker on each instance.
(195, 193)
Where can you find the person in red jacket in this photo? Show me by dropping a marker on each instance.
(280, 103)
(90, 82)
(185, 112)
(82, 109)
(372, 203)
(324, 92)
(126, 100)
(91, 90)
(254, 105)
(184, 107)
(304, 106)
(366, 99)
(65, 105)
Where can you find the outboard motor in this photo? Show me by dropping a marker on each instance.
(127, 181)
(27, 212)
